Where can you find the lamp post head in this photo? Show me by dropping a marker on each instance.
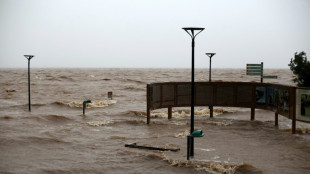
(29, 56)
(210, 54)
(191, 31)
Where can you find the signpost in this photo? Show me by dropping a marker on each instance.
(257, 70)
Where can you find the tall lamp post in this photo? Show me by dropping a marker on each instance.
(29, 57)
(191, 31)
(210, 55)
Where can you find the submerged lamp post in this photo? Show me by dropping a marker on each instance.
(191, 31)
(29, 57)
(195, 134)
(210, 55)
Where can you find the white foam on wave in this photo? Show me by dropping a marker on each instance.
(93, 104)
(100, 123)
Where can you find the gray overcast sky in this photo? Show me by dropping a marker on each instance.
(148, 34)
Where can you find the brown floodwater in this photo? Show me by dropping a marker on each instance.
(55, 137)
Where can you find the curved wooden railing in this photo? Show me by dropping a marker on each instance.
(280, 99)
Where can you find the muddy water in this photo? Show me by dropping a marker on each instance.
(55, 137)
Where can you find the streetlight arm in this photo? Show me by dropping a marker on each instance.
(210, 54)
(192, 29)
(29, 56)
(197, 33)
(191, 35)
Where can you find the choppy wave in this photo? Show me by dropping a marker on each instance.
(99, 123)
(91, 76)
(66, 77)
(79, 104)
(182, 123)
(212, 167)
(135, 81)
(133, 87)
(209, 167)
(10, 90)
(183, 113)
(126, 80)
(49, 118)
(170, 122)
(300, 130)
(37, 104)
(6, 117)
(137, 113)
(182, 134)
(59, 78)
(133, 122)
(217, 123)
(247, 168)
(57, 118)
(35, 139)
(117, 137)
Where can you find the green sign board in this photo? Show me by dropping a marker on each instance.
(254, 69)
(257, 70)
(270, 77)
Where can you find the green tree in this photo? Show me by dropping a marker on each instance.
(301, 68)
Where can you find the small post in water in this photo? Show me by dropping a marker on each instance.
(195, 134)
(188, 146)
(84, 105)
(110, 95)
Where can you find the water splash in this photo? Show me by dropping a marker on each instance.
(10, 90)
(210, 167)
(79, 104)
(183, 113)
(206, 166)
(217, 123)
(164, 122)
(301, 131)
(99, 123)
(182, 134)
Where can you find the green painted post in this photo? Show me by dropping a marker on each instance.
(84, 105)
(195, 134)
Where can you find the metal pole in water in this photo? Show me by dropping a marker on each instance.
(188, 146)
(210, 55)
(195, 134)
(29, 99)
(210, 71)
(84, 105)
(190, 31)
(192, 96)
(84, 108)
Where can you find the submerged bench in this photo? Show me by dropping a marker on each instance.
(280, 99)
